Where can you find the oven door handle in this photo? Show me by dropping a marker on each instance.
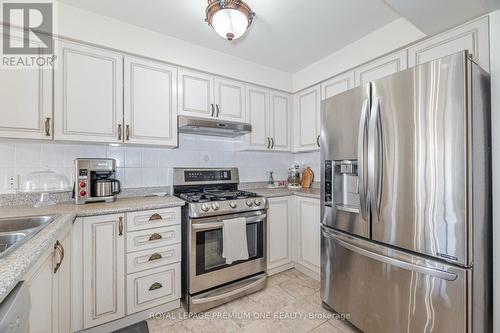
(230, 293)
(216, 225)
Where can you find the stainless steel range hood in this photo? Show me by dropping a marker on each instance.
(212, 127)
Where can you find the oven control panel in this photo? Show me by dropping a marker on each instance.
(206, 175)
(224, 207)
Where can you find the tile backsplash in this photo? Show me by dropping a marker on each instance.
(145, 166)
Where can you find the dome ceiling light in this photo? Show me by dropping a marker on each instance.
(229, 18)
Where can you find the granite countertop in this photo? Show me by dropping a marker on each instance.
(18, 263)
(285, 191)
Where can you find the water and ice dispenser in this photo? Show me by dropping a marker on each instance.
(342, 185)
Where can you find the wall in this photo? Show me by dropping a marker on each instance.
(140, 166)
(83, 25)
(381, 41)
(495, 100)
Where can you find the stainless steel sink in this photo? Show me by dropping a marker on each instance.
(16, 231)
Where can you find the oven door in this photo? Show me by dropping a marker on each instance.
(207, 267)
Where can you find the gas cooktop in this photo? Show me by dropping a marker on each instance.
(206, 195)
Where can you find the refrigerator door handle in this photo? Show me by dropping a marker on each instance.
(410, 266)
(362, 144)
(375, 156)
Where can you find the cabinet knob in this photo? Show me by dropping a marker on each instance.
(272, 143)
(218, 110)
(127, 132)
(155, 256)
(317, 141)
(213, 110)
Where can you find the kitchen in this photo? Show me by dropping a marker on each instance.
(183, 137)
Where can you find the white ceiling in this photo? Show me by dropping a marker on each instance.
(287, 34)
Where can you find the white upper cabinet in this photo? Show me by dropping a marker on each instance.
(472, 36)
(88, 94)
(229, 100)
(307, 119)
(258, 117)
(337, 85)
(196, 94)
(26, 96)
(279, 121)
(379, 68)
(150, 102)
(269, 114)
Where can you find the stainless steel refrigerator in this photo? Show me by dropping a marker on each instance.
(406, 241)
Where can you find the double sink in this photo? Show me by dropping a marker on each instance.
(17, 230)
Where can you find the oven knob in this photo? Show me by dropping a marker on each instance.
(204, 207)
(233, 204)
(215, 206)
(83, 193)
(83, 184)
(249, 203)
(257, 202)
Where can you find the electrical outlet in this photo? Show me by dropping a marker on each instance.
(12, 182)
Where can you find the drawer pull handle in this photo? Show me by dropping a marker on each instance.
(155, 286)
(155, 256)
(155, 236)
(155, 217)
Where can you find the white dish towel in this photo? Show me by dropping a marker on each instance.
(234, 240)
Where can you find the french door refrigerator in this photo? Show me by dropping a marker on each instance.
(406, 240)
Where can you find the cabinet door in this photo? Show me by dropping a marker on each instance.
(279, 121)
(62, 284)
(337, 85)
(258, 117)
(472, 36)
(41, 296)
(88, 94)
(26, 96)
(308, 215)
(196, 94)
(230, 100)
(279, 232)
(103, 269)
(307, 119)
(150, 108)
(381, 67)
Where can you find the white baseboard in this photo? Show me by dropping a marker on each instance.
(312, 274)
(133, 318)
(280, 269)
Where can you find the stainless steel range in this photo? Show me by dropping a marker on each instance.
(213, 197)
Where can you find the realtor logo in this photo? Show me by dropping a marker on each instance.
(27, 33)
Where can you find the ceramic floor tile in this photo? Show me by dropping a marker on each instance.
(290, 303)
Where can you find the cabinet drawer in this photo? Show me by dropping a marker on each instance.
(142, 260)
(153, 218)
(153, 287)
(153, 238)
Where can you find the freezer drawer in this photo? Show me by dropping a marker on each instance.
(386, 290)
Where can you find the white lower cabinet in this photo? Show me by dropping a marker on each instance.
(293, 235)
(125, 264)
(49, 287)
(153, 287)
(279, 232)
(307, 214)
(103, 269)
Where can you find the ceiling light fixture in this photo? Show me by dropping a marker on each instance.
(229, 18)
